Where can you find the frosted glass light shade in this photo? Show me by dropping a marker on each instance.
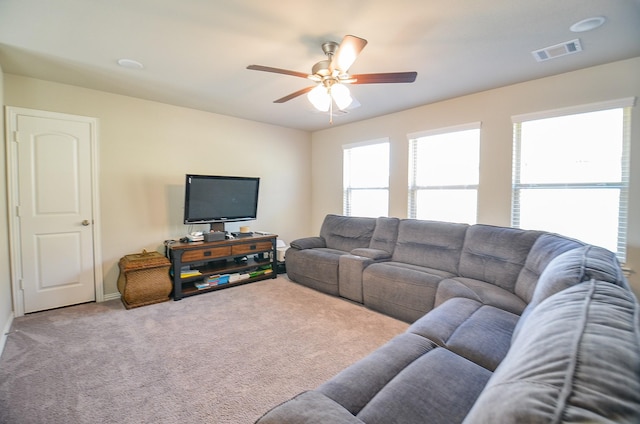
(341, 95)
(319, 98)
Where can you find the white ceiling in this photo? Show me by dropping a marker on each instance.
(195, 52)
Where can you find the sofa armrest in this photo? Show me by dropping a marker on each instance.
(351, 268)
(375, 254)
(350, 276)
(308, 243)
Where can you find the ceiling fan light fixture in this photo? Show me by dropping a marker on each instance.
(319, 98)
(341, 95)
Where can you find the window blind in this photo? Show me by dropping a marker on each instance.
(366, 178)
(571, 172)
(444, 173)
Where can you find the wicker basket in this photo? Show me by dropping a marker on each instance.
(144, 279)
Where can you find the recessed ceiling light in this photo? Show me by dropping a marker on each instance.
(588, 24)
(130, 64)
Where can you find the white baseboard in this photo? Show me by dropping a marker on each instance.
(5, 332)
(111, 296)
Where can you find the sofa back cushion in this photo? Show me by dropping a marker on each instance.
(571, 268)
(495, 254)
(430, 244)
(347, 232)
(546, 247)
(577, 359)
(385, 235)
(574, 267)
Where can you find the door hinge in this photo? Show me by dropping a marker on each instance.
(21, 283)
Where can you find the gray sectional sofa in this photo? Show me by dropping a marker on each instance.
(507, 326)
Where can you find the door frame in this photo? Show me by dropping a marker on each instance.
(15, 258)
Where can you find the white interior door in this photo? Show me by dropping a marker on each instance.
(54, 203)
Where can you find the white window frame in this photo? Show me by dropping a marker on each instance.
(625, 104)
(348, 187)
(414, 189)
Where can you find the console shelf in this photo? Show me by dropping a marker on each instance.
(219, 258)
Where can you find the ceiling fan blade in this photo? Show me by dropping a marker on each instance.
(294, 95)
(384, 78)
(277, 71)
(347, 52)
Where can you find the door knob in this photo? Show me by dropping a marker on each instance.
(85, 222)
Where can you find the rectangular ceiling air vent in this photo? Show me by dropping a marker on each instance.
(562, 49)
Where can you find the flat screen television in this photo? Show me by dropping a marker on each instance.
(215, 199)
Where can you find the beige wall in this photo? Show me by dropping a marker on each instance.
(146, 148)
(494, 109)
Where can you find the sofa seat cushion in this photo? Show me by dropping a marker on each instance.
(408, 380)
(478, 332)
(576, 359)
(481, 291)
(355, 386)
(440, 387)
(403, 291)
(310, 407)
(394, 269)
(315, 268)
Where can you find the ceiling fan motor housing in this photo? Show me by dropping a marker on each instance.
(329, 48)
(322, 69)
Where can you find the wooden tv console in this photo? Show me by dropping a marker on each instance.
(221, 258)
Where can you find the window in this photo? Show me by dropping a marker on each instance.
(571, 173)
(366, 179)
(444, 173)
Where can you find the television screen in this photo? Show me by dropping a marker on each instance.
(213, 198)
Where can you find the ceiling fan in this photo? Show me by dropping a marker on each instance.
(331, 75)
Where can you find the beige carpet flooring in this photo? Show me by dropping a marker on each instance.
(221, 357)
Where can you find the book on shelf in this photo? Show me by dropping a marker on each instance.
(259, 272)
(200, 285)
(216, 280)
